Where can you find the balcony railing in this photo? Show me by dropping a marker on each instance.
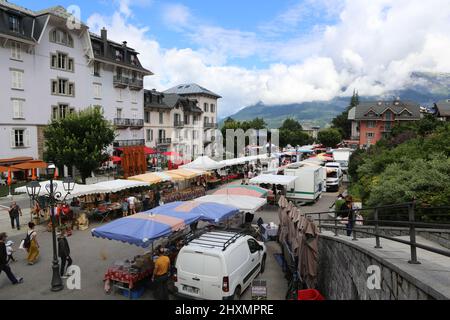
(208, 125)
(135, 84)
(125, 123)
(120, 81)
(178, 123)
(129, 143)
(164, 141)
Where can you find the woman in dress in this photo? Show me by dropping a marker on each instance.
(33, 250)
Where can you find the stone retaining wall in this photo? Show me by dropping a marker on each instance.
(440, 236)
(343, 275)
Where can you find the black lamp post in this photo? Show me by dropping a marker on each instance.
(53, 196)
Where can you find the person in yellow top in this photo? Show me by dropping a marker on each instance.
(161, 275)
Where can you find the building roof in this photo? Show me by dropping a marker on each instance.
(151, 99)
(443, 108)
(374, 110)
(33, 23)
(192, 89)
(189, 105)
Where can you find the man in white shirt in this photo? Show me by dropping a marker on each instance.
(132, 204)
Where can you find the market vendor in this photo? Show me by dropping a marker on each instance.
(161, 275)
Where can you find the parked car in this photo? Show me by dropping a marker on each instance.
(218, 265)
(334, 176)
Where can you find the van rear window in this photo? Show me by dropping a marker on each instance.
(191, 262)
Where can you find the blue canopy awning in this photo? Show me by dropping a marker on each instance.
(206, 211)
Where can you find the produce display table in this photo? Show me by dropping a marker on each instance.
(124, 279)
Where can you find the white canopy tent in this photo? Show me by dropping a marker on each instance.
(118, 185)
(242, 160)
(203, 163)
(243, 203)
(273, 179)
(79, 189)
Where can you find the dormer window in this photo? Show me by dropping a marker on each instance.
(118, 55)
(14, 23)
(133, 60)
(61, 37)
(388, 116)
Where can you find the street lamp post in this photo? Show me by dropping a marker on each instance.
(53, 196)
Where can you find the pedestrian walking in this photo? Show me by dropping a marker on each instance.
(64, 252)
(14, 212)
(161, 275)
(9, 251)
(348, 207)
(31, 244)
(4, 267)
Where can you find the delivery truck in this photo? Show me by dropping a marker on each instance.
(342, 156)
(309, 183)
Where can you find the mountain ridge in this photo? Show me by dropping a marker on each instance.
(424, 88)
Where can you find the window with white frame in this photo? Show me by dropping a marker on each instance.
(213, 107)
(133, 96)
(16, 49)
(20, 138)
(61, 37)
(61, 111)
(17, 79)
(17, 105)
(97, 68)
(14, 23)
(97, 90)
(63, 87)
(134, 114)
(370, 124)
(61, 61)
(119, 113)
(149, 135)
(370, 135)
(120, 94)
(161, 118)
(147, 116)
(205, 107)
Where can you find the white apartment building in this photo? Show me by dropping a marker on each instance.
(203, 128)
(49, 69)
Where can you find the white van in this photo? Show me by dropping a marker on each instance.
(334, 176)
(218, 265)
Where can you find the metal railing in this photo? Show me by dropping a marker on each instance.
(121, 80)
(136, 83)
(209, 125)
(129, 143)
(178, 123)
(164, 141)
(412, 223)
(123, 122)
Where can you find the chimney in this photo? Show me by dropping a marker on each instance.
(124, 44)
(104, 34)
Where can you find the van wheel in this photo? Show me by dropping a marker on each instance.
(237, 294)
(263, 264)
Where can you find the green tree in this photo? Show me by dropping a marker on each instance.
(79, 140)
(291, 133)
(341, 121)
(329, 137)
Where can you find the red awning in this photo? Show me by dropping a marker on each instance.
(34, 164)
(172, 154)
(115, 159)
(148, 151)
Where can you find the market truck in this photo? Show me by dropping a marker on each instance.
(342, 156)
(309, 183)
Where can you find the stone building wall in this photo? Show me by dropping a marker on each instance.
(343, 275)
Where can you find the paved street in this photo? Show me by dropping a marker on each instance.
(95, 255)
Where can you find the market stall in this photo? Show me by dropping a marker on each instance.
(205, 211)
(273, 179)
(203, 163)
(243, 203)
(245, 190)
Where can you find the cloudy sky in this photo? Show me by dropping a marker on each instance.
(276, 51)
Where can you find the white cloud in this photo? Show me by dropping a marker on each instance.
(373, 47)
(176, 15)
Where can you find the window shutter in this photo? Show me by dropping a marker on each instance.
(16, 112)
(55, 113)
(20, 79)
(13, 79)
(13, 138)
(27, 138)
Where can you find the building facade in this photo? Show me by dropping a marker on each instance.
(206, 125)
(372, 121)
(50, 68)
(442, 110)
